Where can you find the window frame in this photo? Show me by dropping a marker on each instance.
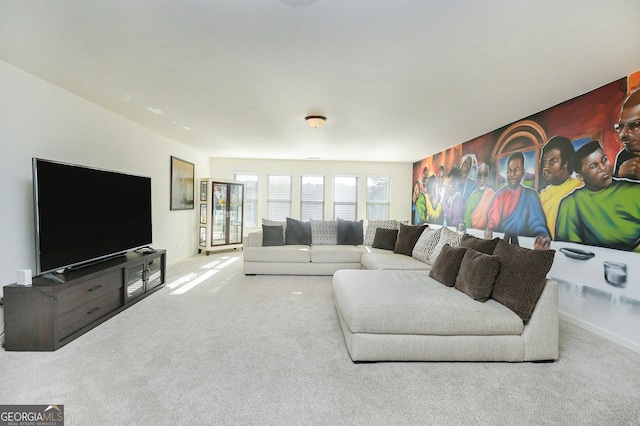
(303, 202)
(271, 201)
(386, 203)
(250, 204)
(345, 203)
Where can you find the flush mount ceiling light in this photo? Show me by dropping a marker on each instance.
(315, 120)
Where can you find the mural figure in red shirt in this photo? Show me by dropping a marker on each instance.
(516, 210)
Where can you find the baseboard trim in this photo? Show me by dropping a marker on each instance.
(622, 341)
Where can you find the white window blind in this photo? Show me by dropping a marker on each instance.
(345, 197)
(279, 197)
(250, 197)
(312, 198)
(377, 198)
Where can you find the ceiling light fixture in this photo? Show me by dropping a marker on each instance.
(315, 120)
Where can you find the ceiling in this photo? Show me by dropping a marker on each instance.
(398, 80)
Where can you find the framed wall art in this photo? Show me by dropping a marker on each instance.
(203, 190)
(203, 237)
(203, 213)
(182, 181)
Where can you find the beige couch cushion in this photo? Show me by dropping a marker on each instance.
(385, 259)
(335, 254)
(279, 254)
(410, 302)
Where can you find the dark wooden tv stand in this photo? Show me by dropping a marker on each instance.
(52, 312)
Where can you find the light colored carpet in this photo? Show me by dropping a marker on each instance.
(268, 350)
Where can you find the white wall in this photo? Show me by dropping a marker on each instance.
(400, 175)
(38, 119)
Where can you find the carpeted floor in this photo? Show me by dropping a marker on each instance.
(217, 347)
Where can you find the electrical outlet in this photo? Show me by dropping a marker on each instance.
(579, 290)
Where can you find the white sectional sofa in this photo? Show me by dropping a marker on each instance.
(297, 259)
(451, 299)
(319, 259)
(324, 259)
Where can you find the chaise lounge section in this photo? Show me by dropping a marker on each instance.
(482, 300)
(409, 316)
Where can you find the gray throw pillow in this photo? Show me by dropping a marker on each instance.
(373, 225)
(271, 222)
(445, 268)
(298, 233)
(479, 244)
(477, 274)
(350, 232)
(407, 237)
(385, 239)
(522, 277)
(272, 236)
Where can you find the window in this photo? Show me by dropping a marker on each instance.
(250, 197)
(312, 198)
(345, 197)
(279, 197)
(377, 198)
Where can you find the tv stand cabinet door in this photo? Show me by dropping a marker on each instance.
(135, 280)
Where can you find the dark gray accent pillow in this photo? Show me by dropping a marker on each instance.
(350, 232)
(477, 274)
(385, 238)
(522, 276)
(479, 244)
(407, 238)
(445, 268)
(272, 236)
(298, 233)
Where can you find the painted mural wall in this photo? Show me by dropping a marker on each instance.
(567, 178)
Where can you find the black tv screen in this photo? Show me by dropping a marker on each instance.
(83, 214)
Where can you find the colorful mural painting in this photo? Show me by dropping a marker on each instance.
(567, 178)
(570, 173)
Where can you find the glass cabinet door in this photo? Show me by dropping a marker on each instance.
(219, 214)
(154, 273)
(135, 281)
(235, 213)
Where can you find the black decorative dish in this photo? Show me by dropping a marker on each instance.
(577, 253)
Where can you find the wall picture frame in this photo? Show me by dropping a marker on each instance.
(203, 237)
(203, 213)
(182, 184)
(203, 190)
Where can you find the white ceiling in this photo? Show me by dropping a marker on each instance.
(398, 80)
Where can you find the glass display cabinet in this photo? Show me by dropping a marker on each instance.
(221, 214)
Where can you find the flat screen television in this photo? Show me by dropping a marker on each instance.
(83, 214)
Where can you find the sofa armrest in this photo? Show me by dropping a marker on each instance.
(541, 332)
(253, 239)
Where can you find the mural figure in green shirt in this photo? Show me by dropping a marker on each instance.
(605, 211)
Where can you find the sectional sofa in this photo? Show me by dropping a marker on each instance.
(440, 297)
(322, 255)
